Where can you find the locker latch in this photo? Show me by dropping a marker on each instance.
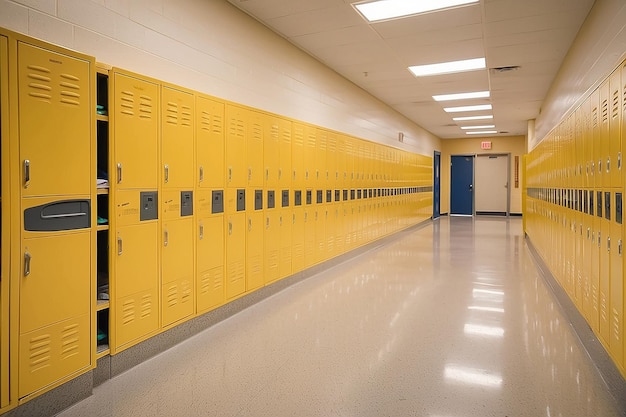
(26, 172)
(608, 164)
(27, 259)
(165, 237)
(201, 231)
(201, 173)
(119, 172)
(619, 160)
(119, 245)
(619, 247)
(608, 244)
(167, 172)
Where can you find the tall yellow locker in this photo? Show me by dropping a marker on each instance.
(595, 205)
(209, 142)
(254, 149)
(606, 214)
(254, 239)
(297, 233)
(177, 137)
(297, 156)
(285, 223)
(271, 151)
(286, 167)
(319, 180)
(309, 233)
(332, 175)
(330, 215)
(614, 129)
(209, 249)
(235, 283)
(236, 133)
(134, 119)
(55, 139)
(310, 151)
(341, 174)
(320, 230)
(271, 236)
(134, 288)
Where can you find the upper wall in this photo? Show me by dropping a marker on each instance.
(598, 48)
(212, 47)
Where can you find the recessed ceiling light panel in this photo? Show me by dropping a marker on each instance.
(483, 132)
(478, 127)
(374, 11)
(461, 96)
(448, 67)
(461, 119)
(467, 108)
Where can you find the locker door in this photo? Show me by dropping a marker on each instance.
(615, 121)
(55, 114)
(285, 223)
(271, 237)
(210, 262)
(210, 142)
(320, 233)
(54, 337)
(330, 218)
(332, 175)
(339, 229)
(596, 232)
(177, 271)
(320, 159)
(5, 224)
(271, 151)
(297, 239)
(604, 161)
(616, 283)
(605, 272)
(236, 131)
(135, 288)
(235, 254)
(286, 167)
(177, 137)
(297, 156)
(309, 236)
(134, 121)
(310, 151)
(254, 240)
(341, 162)
(254, 150)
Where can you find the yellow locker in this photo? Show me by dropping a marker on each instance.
(135, 286)
(254, 149)
(595, 205)
(271, 150)
(297, 156)
(235, 254)
(604, 161)
(271, 237)
(134, 120)
(177, 137)
(5, 225)
(310, 151)
(320, 233)
(55, 119)
(297, 233)
(54, 341)
(309, 233)
(285, 224)
(341, 175)
(616, 282)
(330, 215)
(236, 133)
(209, 250)
(209, 142)
(614, 129)
(332, 174)
(286, 168)
(254, 240)
(339, 229)
(319, 179)
(177, 270)
(605, 272)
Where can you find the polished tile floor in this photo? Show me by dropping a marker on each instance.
(451, 320)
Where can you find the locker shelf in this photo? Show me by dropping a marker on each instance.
(102, 305)
(103, 350)
(102, 117)
(102, 227)
(102, 191)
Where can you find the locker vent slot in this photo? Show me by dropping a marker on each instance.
(146, 306)
(205, 121)
(70, 341)
(594, 117)
(38, 90)
(40, 356)
(218, 124)
(127, 103)
(171, 115)
(145, 107)
(615, 112)
(217, 275)
(185, 116)
(205, 282)
(172, 295)
(605, 111)
(128, 311)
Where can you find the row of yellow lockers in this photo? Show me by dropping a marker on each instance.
(174, 137)
(574, 216)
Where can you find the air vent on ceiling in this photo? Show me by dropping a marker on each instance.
(451, 125)
(504, 131)
(505, 69)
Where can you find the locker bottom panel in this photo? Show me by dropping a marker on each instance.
(177, 300)
(136, 316)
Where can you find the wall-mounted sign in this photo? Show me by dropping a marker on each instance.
(485, 145)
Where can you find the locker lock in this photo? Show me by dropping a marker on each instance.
(249, 225)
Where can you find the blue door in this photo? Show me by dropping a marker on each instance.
(436, 184)
(462, 185)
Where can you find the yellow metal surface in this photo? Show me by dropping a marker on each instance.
(177, 137)
(210, 262)
(235, 255)
(254, 249)
(236, 131)
(254, 149)
(285, 257)
(209, 142)
(271, 243)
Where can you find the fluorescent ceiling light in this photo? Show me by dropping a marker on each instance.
(479, 127)
(484, 132)
(461, 96)
(448, 67)
(467, 108)
(389, 9)
(460, 119)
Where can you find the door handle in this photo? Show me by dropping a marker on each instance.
(471, 187)
(249, 173)
(267, 222)
(249, 225)
(201, 231)
(230, 174)
(167, 173)
(26, 172)
(230, 228)
(166, 236)
(119, 172)
(119, 245)
(27, 259)
(201, 173)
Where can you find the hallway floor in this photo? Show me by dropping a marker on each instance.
(451, 320)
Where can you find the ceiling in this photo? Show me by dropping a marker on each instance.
(532, 34)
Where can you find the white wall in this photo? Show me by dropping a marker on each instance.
(212, 47)
(598, 48)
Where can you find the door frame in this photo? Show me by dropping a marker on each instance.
(436, 185)
(473, 156)
(508, 177)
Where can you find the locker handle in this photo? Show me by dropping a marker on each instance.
(119, 245)
(306, 216)
(27, 259)
(588, 232)
(230, 173)
(201, 231)
(619, 247)
(249, 173)
(119, 172)
(230, 228)
(267, 174)
(167, 172)
(599, 166)
(608, 244)
(267, 222)
(249, 225)
(166, 236)
(201, 173)
(619, 160)
(294, 174)
(26, 172)
(280, 173)
(280, 221)
(608, 164)
(317, 174)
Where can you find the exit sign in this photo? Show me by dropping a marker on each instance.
(485, 145)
